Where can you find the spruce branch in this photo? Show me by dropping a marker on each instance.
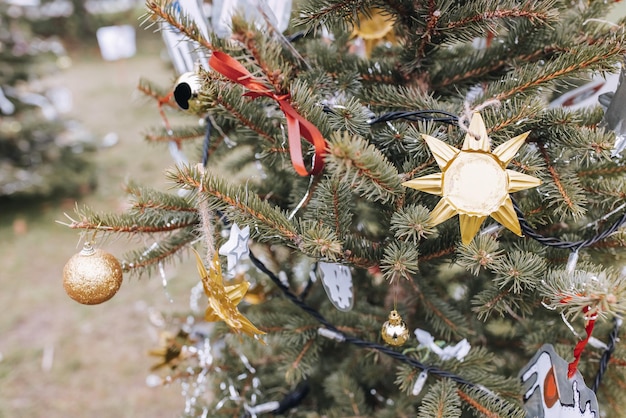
(603, 170)
(145, 199)
(162, 251)
(320, 241)
(384, 97)
(347, 394)
(488, 405)
(339, 213)
(178, 134)
(437, 254)
(129, 223)
(594, 292)
(270, 223)
(585, 58)
(483, 252)
(572, 194)
(412, 224)
(264, 52)
(227, 97)
(298, 369)
(167, 11)
(362, 166)
(444, 319)
(155, 92)
(400, 260)
(441, 401)
(329, 12)
(527, 12)
(491, 299)
(481, 65)
(520, 271)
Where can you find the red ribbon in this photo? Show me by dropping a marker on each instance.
(580, 346)
(297, 125)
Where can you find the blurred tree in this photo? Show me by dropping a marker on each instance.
(41, 153)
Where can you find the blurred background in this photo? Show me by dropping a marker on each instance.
(71, 132)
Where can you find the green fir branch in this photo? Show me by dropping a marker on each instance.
(489, 404)
(400, 261)
(169, 12)
(130, 223)
(145, 198)
(412, 224)
(483, 252)
(442, 317)
(339, 213)
(240, 205)
(441, 401)
(163, 251)
(525, 79)
(362, 166)
(178, 134)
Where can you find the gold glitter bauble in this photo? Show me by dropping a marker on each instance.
(394, 331)
(92, 276)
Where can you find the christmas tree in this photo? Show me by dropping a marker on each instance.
(42, 154)
(363, 294)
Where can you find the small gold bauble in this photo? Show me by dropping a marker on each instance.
(394, 331)
(92, 276)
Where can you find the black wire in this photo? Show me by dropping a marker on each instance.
(296, 36)
(353, 340)
(449, 118)
(309, 284)
(566, 245)
(207, 142)
(606, 356)
(412, 115)
(417, 116)
(293, 398)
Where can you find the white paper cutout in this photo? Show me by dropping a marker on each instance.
(277, 12)
(185, 53)
(236, 248)
(6, 106)
(116, 42)
(620, 145)
(550, 394)
(458, 350)
(337, 281)
(587, 94)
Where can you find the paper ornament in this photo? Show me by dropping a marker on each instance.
(337, 281)
(116, 42)
(223, 299)
(186, 54)
(549, 393)
(275, 12)
(374, 28)
(474, 182)
(457, 351)
(236, 248)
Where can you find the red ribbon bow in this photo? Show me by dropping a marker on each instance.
(580, 346)
(297, 125)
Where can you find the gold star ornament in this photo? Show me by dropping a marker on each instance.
(223, 300)
(474, 182)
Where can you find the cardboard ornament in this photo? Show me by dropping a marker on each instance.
(549, 393)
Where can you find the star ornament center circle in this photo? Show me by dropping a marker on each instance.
(474, 181)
